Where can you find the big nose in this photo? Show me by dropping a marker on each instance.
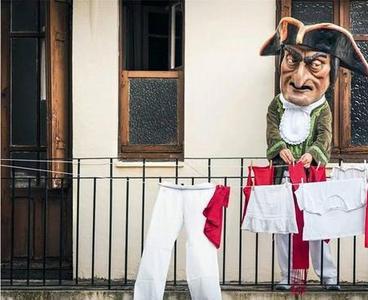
(300, 75)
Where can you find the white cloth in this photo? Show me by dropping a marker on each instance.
(177, 205)
(359, 171)
(332, 209)
(271, 209)
(327, 268)
(295, 122)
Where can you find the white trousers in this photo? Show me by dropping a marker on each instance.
(176, 206)
(282, 246)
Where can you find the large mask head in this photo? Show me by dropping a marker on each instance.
(310, 57)
(304, 74)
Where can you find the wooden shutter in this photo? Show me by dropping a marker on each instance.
(58, 86)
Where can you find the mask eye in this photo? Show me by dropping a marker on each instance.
(291, 61)
(316, 65)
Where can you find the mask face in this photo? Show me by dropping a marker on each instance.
(304, 75)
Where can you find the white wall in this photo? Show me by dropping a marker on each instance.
(227, 89)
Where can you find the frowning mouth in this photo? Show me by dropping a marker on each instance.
(302, 88)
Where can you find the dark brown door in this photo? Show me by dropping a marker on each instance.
(36, 208)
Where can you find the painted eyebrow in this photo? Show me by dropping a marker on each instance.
(309, 59)
(294, 53)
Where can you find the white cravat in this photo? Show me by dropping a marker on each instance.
(295, 122)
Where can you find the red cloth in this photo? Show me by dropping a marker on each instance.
(262, 176)
(300, 248)
(213, 213)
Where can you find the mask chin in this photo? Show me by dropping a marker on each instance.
(302, 102)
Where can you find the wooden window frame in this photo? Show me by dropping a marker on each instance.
(126, 150)
(342, 149)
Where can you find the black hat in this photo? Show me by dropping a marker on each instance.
(324, 37)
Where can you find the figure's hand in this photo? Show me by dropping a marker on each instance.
(287, 156)
(306, 159)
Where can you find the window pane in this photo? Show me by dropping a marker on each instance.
(359, 103)
(24, 15)
(359, 17)
(310, 12)
(147, 30)
(153, 111)
(24, 90)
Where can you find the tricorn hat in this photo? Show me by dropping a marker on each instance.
(324, 37)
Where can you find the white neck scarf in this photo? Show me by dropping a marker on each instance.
(295, 122)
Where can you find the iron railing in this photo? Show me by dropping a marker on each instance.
(63, 269)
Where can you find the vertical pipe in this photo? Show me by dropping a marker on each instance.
(93, 231)
(77, 225)
(12, 227)
(126, 232)
(110, 223)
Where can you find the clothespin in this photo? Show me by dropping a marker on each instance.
(302, 180)
(319, 163)
(270, 163)
(251, 163)
(293, 163)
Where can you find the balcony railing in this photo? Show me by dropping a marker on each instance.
(90, 231)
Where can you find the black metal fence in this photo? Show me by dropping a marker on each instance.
(38, 263)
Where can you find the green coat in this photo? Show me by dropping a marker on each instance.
(318, 142)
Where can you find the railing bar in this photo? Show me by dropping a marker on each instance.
(240, 221)
(29, 229)
(93, 231)
(256, 261)
(321, 277)
(338, 261)
(45, 231)
(61, 246)
(273, 262)
(126, 232)
(354, 260)
(77, 226)
(110, 222)
(176, 243)
(289, 258)
(12, 228)
(143, 201)
(224, 243)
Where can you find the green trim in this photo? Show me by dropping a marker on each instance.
(314, 115)
(319, 152)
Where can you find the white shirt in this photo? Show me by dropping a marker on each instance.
(271, 209)
(332, 209)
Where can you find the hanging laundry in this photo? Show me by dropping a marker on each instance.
(213, 213)
(332, 209)
(262, 176)
(359, 171)
(271, 209)
(178, 205)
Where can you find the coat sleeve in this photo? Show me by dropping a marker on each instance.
(274, 141)
(321, 147)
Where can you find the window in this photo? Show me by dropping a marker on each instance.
(348, 98)
(151, 108)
